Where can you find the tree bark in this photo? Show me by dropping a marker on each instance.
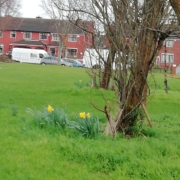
(176, 6)
(106, 76)
(108, 69)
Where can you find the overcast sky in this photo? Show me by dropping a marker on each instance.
(31, 9)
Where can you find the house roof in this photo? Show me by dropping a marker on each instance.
(36, 43)
(53, 44)
(40, 25)
(26, 42)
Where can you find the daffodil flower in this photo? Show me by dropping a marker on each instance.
(82, 115)
(88, 115)
(50, 108)
(80, 81)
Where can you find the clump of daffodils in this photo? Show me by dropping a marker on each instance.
(83, 115)
(87, 125)
(50, 108)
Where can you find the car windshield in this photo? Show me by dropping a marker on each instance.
(78, 62)
(46, 55)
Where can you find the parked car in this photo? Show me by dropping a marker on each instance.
(64, 63)
(54, 60)
(75, 63)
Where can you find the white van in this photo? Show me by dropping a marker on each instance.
(94, 59)
(28, 55)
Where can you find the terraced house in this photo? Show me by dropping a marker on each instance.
(47, 34)
(169, 55)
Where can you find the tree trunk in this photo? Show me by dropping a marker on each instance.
(106, 76)
(176, 6)
(137, 85)
(108, 69)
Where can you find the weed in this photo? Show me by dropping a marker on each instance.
(81, 84)
(14, 110)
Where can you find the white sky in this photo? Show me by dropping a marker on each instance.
(31, 9)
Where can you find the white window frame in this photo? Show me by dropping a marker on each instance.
(13, 34)
(72, 54)
(169, 57)
(41, 35)
(169, 43)
(55, 37)
(72, 37)
(30, 35)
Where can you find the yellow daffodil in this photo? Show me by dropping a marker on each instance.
(82, 115)
(80, 81)
(88, 115)
(50, 108)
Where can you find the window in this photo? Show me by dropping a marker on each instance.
(43, 35)
(72, 38)
(41, 55)
(32, 56)
(168, 57)
(52, 51)
(157, 60)
(71, 52)
(27, 35)
(1, 34)
(55, 37)
(169, 43)
(13, 34)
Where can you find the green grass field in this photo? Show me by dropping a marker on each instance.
(28, 152)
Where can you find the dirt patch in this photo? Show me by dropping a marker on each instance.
(173, 76)
(4, 58)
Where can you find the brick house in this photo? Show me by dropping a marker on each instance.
(39, 33)
(169, 52)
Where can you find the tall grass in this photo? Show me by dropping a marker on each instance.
(30, 152)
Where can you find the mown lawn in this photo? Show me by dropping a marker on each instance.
(28, 152)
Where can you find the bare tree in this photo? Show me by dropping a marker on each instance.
(60, 23)
(10, 7)
(135, 31)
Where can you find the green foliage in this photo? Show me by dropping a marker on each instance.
(57, 117)
(136, 130)
(88, 127)
(14, 110)
(81, 84)
(136, 127)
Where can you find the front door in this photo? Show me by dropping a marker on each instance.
(1, 48)
(53, 51)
